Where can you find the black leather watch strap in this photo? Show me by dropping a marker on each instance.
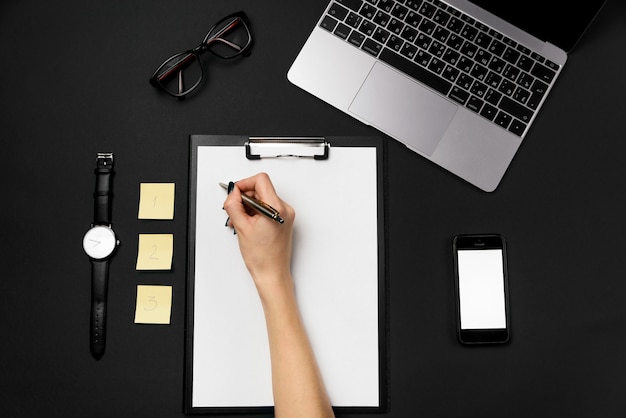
(102, 195)
(99, 286)
(100, 268)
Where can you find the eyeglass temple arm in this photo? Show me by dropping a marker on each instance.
(175, 69)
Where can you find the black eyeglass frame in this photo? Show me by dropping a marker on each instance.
(187, 57)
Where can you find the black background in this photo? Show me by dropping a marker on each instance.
(74, 82)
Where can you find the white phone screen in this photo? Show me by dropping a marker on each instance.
(481, 289)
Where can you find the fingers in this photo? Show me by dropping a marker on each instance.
(259, 186)
(233, 206)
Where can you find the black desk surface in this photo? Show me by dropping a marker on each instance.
(75, 82)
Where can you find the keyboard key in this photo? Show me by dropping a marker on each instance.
(436, 65)
(395, 43)
(459, 95)
(539, 87)
(469, 49)
(464, 81)
(552, 65)
(543, 73)
(413, 19)
(367, 28)
(503, 119)
(395, 26)
(422, 58)
(451, 57)
(409, 34)
(493, 97)
(437, 49)
(511, 72)
(353, 20)
(497, 48)
(474, 104)
(478, 89)
(517, 127)
(521, 95)
(488, 111)
(469, 32)
(455, 25)
(413, 4)
(496, 65)
(465, 64)
(381, 35)
(351, 4)
(342, 31)
(399, 11)
(372, 47)
(525, 63)
(493, 79)
(356, 38)
(450, 73)
(408, 50)
(386, 5)
(423, 41)
(428, 26)
(441, 34)
(381, 18)
(519, 111)
(483, 40)
(479, 72)
(482, 57)
(338, 12)
(525, 80)
(441, 17)
(427, 10)
(429, 79)
(511, 55)
(454, 41)
(328, 23)
(506, 87)
(368, 11)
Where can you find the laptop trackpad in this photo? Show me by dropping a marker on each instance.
(403, 109)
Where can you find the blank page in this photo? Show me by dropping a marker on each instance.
(334, 265)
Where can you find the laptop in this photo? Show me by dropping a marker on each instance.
(459, 82)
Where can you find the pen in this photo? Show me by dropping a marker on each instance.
(261, 207)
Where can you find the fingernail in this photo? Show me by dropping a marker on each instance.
(231, 186)
(227, 220)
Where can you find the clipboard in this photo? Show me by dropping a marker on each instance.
(337, 188)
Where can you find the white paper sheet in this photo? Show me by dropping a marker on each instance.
(335, 268)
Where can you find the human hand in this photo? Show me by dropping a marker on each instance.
(266, 246)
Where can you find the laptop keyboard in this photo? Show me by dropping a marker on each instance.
(450, 52)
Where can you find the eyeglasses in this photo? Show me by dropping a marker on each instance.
(182, 73)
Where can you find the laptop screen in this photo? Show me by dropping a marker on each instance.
(561, 26)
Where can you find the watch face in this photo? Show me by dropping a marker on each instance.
(99, 242)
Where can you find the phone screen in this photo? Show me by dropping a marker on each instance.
(481, 289)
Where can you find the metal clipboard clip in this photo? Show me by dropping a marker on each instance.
(265, 147)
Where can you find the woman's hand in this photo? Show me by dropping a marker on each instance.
(266, 246)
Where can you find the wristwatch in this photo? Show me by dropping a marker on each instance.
(100, 243)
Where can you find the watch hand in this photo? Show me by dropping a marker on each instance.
(96, 242)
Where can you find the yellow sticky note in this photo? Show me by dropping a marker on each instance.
(154, 304)
(156, 200)
(155, 252)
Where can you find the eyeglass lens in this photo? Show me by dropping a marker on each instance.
(228, 38)
(180, 74)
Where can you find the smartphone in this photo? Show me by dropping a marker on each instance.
(481, 285)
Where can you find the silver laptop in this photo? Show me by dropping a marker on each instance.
(459, 82)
